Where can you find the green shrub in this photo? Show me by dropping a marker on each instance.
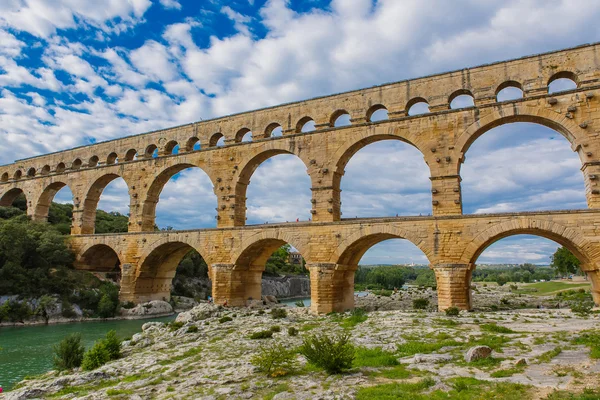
(292, 331)
(173, 325)
(275, 360)
(278, 313)
(106, 307)
(357, 316)
(95, 357)
(113, 345)
(275, 328)
(420, 304)
(334, 354)
(582, 308)
(192, 329)
(495, 328)
(452, 311)
(225, 319)
(128, 305)
(67, 310)
(68, 354)
(262, 335)
(300, 304)
(261, 312)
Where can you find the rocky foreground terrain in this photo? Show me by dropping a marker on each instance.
(535, 354)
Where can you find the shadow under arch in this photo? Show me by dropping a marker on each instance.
(90, 203)
(248, 167)
(45, 200)
(155, 189)
(157, 269)
(10, 196)
(99, 258)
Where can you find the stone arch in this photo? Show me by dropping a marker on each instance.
(45, 200)
(584, 250)
(112, 158)
(4, 177)
(157, 268)
(130, 155)
(18, 174)
(302, 122)
(150, 149)
(10, 196)
(413, 101)
(564, 75)
(77, 163)
(45, 169)
(99, 258)
(247, 168)
(352, 248)
(336, 114)
(60, 167)
(260, 243)
(31, 172)
(374, 108)
(90, 203)
(456, 94)
(270, 128)
(93, 161)
(191, 142)
(170, 146)
(507, 84)
(239, 136)
(156, 187)
(516, 113)
(214, 139)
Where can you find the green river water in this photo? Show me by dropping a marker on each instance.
(27, 350)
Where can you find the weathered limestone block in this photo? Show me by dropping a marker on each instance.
(453, 285)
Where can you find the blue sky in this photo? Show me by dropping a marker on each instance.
(75, 72)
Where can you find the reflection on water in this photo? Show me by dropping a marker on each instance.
(27, 350)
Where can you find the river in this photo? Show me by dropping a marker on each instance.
(27, 350)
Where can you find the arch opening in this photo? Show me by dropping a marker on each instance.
(509, 90)
(217, 140)
(131, 155)
(101, 260)
(266, 259)
(60, 167)
(280, 189)
(14, 197)
(243, 135)
(461, 99)
(181, 197)
(106, 206)
(562, 81)
(400, 187)
(151, 151)
(193, 144)
(31, 172)
(154, 277)
(417, 106)
(112, 158)
(377, 113)
(18, 174)
(305, 124)
(55, 205)
(274, 130)
(339, 119)
(76, 164)
(4, 177)
(172, 147)
(93, 162)
(521, 166)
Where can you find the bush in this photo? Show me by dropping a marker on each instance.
(292, 331)
(452, 311)
(357, 316)
(67, 310)
(68, 354)
(106, 307)
(275, 360)
(582, 308)
(275, 328)
(225, 319)
(95, 357)
(262, 335)
(128, 305)
(300, 303)
(334, 354)
(192, 329)
(420, 304)
(113, 345)
(278, 313)
(173, 326)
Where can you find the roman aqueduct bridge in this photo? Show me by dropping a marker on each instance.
(331, 245)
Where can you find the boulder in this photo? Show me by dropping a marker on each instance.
(198, 313)
(477, 353)
(154, 307)
(431, 358)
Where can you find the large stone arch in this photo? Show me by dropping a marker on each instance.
(44, 201)
(10, 196)
(512, 113)
(351, 249)
(587, 252)
(252, 161)
(266, 239)
(157, 267)
(92, 196)
(98, 257)
(155, 188)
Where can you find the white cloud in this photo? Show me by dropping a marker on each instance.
(240, 21)
(170, 4)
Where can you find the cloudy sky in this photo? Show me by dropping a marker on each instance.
(75, 71)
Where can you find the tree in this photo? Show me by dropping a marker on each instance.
(68, 354)
(45, 307)
(106, 307)
(564, 262)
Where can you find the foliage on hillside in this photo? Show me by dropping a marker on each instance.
(391, 276)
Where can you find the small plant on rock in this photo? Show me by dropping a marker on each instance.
(292, 331)
(278, 313)
(173, 326)
(420, 304)
(262, 335)
(275, 328)
(224, 319)
(95, 357)
(452, 311)
(192, 329)
(68, 354)
(582, 308)
(334, 354)
(275, 360)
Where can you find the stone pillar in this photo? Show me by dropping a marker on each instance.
(331, 287)
(453, 285)
(127, 290)
(325, 204)
(594, 277)
(234, 287)
(446, 196)
(591, 175)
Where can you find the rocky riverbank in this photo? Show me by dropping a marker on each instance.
(532, 354)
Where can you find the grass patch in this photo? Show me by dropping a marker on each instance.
(282, 387)
(587, 394)
(545, 288)
(396, 372)
(376, 357)
(118, 392)
(413, 347)
(505, 373)
(590, 339)
(445, 322)
(79, 391)
(394, 390)
(495, 328)
(548, 356)
(494, 342)
(357, 316)
(308, 327)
